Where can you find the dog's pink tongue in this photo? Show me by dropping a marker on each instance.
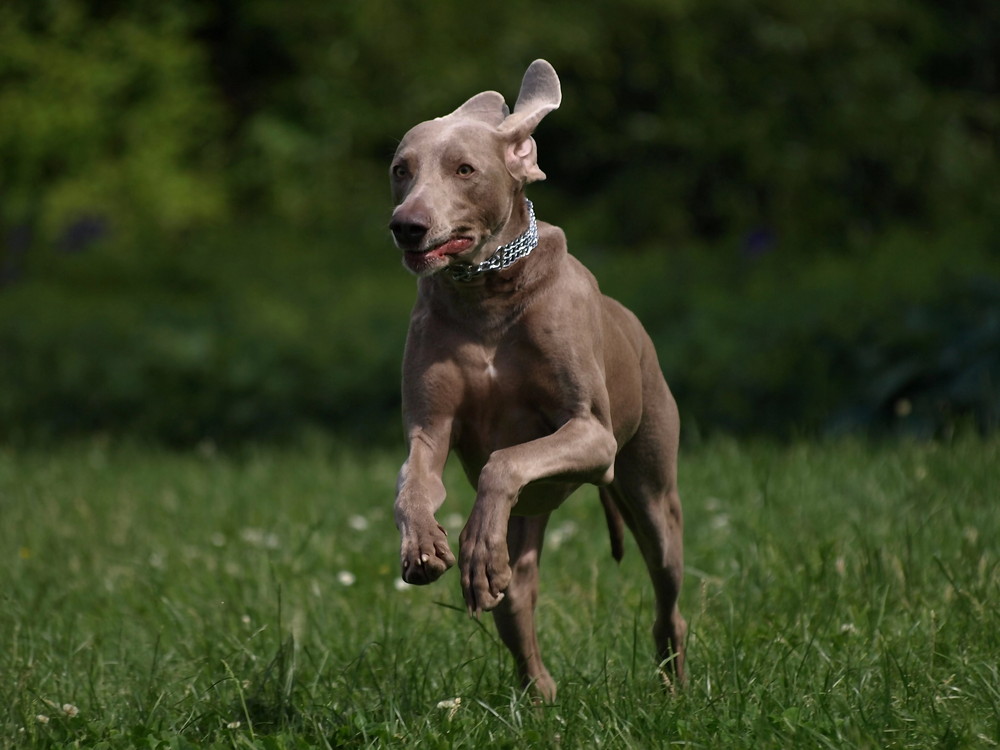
(451, 247)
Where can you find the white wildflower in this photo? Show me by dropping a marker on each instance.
(42, 719)
(720, 522)
(70, 710)
(560, 534)
(259, 538)
(713, 504)
(346, 578)
(358, 523)
(452, 705)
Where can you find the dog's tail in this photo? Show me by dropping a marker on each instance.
(615, 524)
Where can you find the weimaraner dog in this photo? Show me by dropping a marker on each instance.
(516, 362)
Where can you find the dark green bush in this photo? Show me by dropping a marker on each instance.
(228, 339)
(901, 337)
(937, 366)
(233, 339)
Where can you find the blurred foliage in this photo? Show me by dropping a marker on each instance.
(106, 123)
(221, 339)
(800, 200)
(904, 339)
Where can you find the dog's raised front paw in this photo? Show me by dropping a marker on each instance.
(425, 553)
(485, 567)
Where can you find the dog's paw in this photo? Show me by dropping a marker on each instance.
(425, 554)
(485, 568)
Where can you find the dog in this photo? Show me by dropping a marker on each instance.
(517, 363)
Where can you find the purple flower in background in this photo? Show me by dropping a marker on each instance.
(82, 233)
(758, 242)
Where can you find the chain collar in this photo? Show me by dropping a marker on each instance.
(505, 255)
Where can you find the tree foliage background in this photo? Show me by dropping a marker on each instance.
(800, 200)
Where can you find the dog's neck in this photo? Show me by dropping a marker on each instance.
(504, 256)
(491, 302)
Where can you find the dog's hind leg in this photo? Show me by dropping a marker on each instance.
(655, 521)
(515, 615)
(645, 491)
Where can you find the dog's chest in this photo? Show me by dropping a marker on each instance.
(488, 371)
(508, 397)
(492, 375)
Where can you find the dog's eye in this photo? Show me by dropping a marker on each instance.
(465, 170)
(399, 171)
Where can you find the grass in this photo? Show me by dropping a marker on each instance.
(839, 595)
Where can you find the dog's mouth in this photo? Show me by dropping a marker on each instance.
(451, 246)
(423, 260)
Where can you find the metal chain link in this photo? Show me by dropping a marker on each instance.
(505, 255)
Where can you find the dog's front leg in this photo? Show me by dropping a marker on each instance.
(582, 450)
(424, 551)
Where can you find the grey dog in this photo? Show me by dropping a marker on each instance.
(516, 362)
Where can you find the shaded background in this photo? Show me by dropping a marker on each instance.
(800, 200)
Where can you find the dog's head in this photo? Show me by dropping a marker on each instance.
(456, 179)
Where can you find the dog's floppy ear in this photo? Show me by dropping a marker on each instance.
(488, 107)
(540, 94)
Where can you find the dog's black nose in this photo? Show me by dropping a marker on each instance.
(407, 233)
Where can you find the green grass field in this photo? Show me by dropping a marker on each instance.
(839, 595)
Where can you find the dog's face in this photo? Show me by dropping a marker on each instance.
(453, 193)
(455, 179)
